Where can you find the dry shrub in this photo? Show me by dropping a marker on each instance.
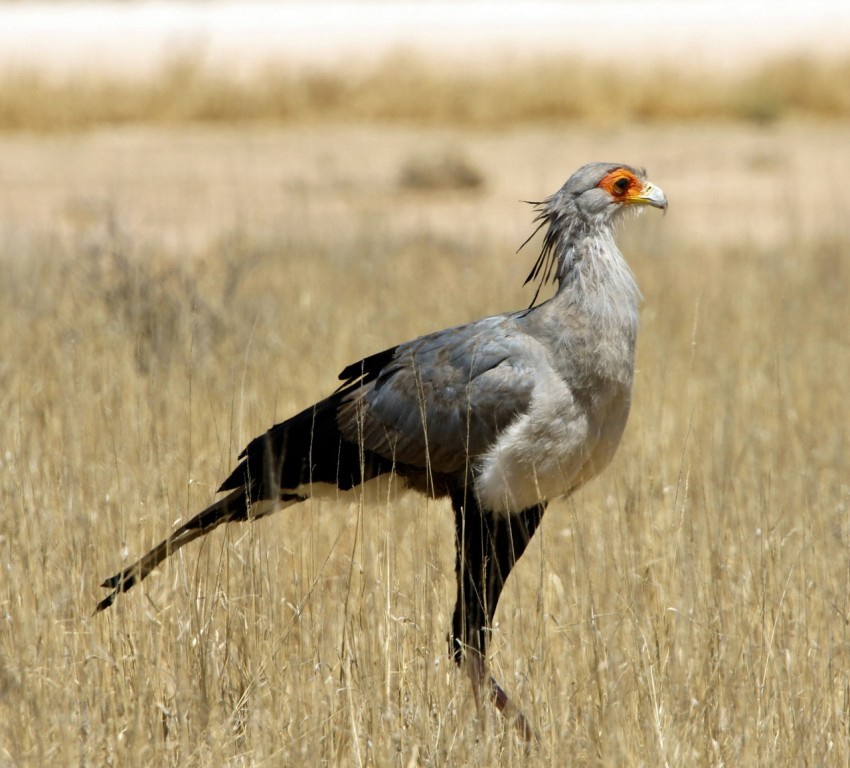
(440, 171)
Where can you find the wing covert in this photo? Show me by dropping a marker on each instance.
(441, 400)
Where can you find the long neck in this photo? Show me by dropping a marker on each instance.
(596, 292)
(593, 276)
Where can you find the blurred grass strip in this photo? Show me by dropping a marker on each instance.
(406, 90)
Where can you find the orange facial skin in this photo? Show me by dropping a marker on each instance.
(622, 185)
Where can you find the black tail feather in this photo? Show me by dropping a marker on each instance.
(231, 508)
(307, 448)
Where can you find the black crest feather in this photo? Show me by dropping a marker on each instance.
(545, 267)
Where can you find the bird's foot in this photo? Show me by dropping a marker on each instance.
(482, 680)
(511, 711)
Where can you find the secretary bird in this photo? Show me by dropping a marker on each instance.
(500, 415)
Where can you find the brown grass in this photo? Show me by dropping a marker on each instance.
(402, 89)
(688, 608)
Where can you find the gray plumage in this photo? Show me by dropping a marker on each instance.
(536, 399)
(501, 415)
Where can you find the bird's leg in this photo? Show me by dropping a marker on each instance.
(484, 684)
(487, 549)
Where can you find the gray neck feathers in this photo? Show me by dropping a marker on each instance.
(580, 254)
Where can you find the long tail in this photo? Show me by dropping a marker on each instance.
(304, 450)
(231, 508)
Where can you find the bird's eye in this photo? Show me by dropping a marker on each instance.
(621, 185)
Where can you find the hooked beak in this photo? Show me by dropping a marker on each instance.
(651, 195)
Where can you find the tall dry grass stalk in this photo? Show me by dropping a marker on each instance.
(688, 608)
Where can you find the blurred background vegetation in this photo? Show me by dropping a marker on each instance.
(409, 90)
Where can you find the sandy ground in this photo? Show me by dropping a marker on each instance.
(240, 36)
(187, 189)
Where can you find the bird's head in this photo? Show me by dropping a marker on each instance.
(587, 206)
(599, 191)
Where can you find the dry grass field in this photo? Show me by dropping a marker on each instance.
(168, 293)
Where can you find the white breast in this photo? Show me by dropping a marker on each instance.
(552, 449)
